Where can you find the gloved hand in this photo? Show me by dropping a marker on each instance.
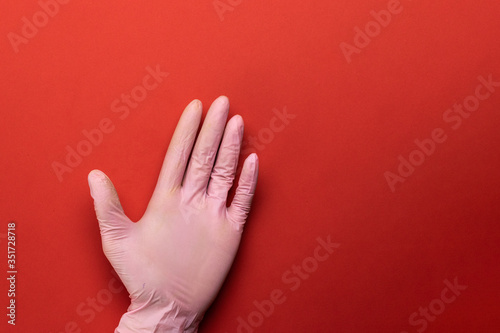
(174, 260)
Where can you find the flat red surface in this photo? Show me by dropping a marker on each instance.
(322, 171)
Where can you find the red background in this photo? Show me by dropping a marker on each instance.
(323, 174)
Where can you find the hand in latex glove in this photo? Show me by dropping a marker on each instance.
(174, 260)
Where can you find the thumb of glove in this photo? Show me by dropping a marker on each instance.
(113, 222)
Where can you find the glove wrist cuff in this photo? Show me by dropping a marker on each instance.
(158, 318)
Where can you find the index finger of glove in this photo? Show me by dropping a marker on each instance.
(176, 158)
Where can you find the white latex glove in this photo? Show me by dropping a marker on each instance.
(174, 260)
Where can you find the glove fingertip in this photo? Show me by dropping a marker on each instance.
(249, 174)
(240, 207)
(103, 192)
(95, 176)
(100, 185)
